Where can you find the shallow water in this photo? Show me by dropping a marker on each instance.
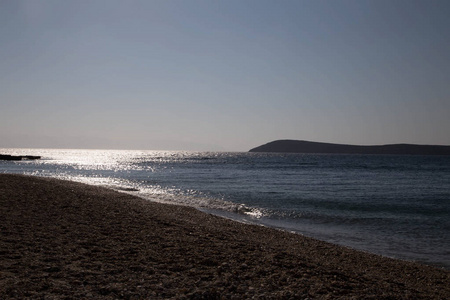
(397, 206)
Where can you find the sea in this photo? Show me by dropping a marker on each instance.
(393, 205)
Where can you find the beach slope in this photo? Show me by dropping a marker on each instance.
(68, 240)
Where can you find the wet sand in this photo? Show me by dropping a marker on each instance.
(66, 240)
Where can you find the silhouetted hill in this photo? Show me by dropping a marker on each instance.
(294, 146)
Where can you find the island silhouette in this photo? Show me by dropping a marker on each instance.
(300, 146)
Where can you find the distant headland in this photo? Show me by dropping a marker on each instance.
(295, 146)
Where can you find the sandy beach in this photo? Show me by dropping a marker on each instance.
(67, 240)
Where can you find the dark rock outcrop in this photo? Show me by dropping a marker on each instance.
(17, 157)
(295, 146)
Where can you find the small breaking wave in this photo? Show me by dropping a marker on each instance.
(190, 198)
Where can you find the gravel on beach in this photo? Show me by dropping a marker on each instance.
(67, 240)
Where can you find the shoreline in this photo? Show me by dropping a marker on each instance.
(229, 216)
(67, 239)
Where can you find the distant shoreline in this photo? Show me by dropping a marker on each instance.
(299, 146)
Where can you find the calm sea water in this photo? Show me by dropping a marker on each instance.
(396, 206)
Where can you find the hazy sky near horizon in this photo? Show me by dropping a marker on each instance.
(223, 75)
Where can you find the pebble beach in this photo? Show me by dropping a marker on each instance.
(67, 240)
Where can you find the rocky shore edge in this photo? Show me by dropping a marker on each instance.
(67, 240)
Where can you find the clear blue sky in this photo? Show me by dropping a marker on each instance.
(223, 75)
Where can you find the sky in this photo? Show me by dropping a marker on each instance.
(223, 75)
